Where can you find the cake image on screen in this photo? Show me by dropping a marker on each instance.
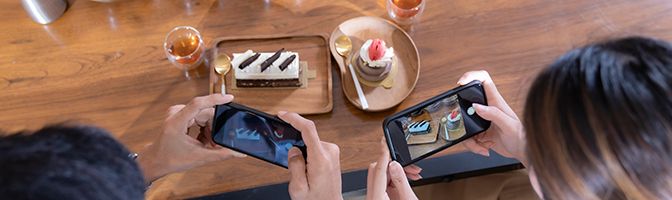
(374, 61)
(266, 69)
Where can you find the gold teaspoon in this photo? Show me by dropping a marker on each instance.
(343, 47)
(222, 66)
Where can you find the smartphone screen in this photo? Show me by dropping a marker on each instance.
(435, 124)
(254, 133)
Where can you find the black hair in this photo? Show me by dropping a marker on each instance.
(599, 122)
(67, 162)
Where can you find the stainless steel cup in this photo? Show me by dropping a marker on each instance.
(44, 11)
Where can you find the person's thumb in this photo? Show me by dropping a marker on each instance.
(297, 168)
(399, 181)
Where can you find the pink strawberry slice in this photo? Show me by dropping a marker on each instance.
(377, 49)
(453, 114)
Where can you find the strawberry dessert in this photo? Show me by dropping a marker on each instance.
(375, 60)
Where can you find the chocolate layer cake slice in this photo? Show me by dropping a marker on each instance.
(267, 69)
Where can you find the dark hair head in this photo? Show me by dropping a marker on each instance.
(67, 162)
(599, 122)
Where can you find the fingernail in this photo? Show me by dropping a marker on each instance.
(479, 107)
(485, 153)
(220, 96)
(293, 152)
(394, 167)
(237, 154)
(282, 113)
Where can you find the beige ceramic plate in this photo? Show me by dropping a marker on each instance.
(407, 60)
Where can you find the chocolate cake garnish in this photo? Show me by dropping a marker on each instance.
(249, 61)
(286, 63)
(268, 62)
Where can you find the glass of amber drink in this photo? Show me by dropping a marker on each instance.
(405, 12)
(184, 48)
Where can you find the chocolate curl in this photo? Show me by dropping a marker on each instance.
(268, 62)
(249, 61)
(286, 63)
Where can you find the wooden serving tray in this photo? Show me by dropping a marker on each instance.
(316, 98)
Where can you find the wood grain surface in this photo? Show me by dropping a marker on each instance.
(102, 63)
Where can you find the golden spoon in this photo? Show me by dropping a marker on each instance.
(343, 47)
(222, 66)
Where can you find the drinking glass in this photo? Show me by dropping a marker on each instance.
(184, 48)
(405, 12)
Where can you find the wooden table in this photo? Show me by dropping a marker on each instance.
(104, 64)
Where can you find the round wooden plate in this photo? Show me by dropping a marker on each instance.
(359, 30)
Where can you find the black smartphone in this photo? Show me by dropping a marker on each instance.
(255, 133)
(435, 124)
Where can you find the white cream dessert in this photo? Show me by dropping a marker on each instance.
(375, 60)
(266, 69)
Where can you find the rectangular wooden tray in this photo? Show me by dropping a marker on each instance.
(316, 98)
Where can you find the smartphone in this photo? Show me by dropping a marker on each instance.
(435, 124)
(255, 133)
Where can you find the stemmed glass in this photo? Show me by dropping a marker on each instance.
(184, 48)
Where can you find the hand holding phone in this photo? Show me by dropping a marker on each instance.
(174, 150)
(318, 176)
(255, 133)
(506, 137)
(387, 180)
(288, 140)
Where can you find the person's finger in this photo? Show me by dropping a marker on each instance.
(488, 85)
(486, 144)
(413, 172)
(297, 169)
(399, 181)
(197, 104)
(472, 146)
(494, 97)
(413, 177)
(413, 169)
(307, 129)
(332, 149)
(204, 116)
(467, 77)
(369, 176)
(495, 115)
(221, 154)
(380, 171)
(175, 109)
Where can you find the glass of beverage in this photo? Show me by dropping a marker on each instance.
(405, 12)
(184, 48)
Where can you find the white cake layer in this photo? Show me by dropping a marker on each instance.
(253, 71)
